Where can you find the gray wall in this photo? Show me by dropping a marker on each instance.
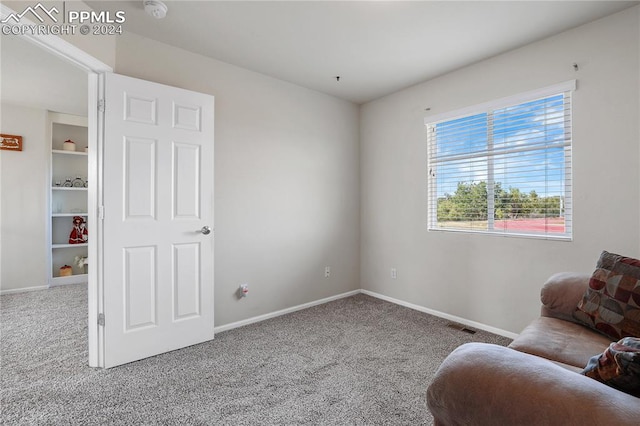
(286, 180)
(23, 182)
(496, 280)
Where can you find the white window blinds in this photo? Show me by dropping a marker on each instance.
(503, 167)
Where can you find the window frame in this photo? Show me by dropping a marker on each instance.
(489, 108)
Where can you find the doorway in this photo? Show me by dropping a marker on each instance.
(44, 56)
(144, 136)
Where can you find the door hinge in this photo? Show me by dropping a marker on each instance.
(101, 212)
(101, 319)
(101, 105)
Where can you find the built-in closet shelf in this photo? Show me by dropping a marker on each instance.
(66, 202)
(71, 279)
(62, 151)
(69, 214)
(59, 246)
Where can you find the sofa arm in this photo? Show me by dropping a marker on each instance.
(485, 384)
(561, 293)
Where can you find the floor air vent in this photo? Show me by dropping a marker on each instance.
(461, 327)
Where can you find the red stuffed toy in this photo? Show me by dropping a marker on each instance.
(79, 234)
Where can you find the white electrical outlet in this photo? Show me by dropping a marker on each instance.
(327, 271)
(394, 273)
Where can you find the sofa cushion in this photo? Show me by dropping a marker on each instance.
(561, 293)
(561, 341)
(618, 366)
(611, 304)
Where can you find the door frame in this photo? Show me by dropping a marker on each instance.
(95, 70)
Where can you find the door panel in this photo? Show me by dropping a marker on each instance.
(140, 292)
(186, 183)
(140, 170)
(158, 195)
(186, 282)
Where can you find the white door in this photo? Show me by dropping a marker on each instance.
(158, 212)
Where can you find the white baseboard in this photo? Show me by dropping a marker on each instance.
(449, 317)
(270, 315)
(281, 312)
(433, 312)
(23, 290)
(44, 287)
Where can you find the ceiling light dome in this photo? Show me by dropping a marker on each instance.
(155, 8)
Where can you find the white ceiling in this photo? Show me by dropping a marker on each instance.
(31, 77)
(376, 47)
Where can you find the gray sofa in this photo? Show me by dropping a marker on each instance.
(536, 380)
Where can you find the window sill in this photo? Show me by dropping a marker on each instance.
(551, 237)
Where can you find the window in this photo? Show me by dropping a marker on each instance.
(503, 167)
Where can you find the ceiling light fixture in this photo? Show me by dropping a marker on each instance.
(155, 8)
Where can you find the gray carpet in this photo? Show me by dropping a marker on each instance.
(355, 361)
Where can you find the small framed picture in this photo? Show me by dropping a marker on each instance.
(11, 142)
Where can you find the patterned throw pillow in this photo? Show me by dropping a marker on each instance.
(618, 366)
(611, 304)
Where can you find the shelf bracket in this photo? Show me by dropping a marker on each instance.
(101, 105)
(101, 212)
(101, 320)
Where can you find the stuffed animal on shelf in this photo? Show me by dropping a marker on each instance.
(79, 233)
